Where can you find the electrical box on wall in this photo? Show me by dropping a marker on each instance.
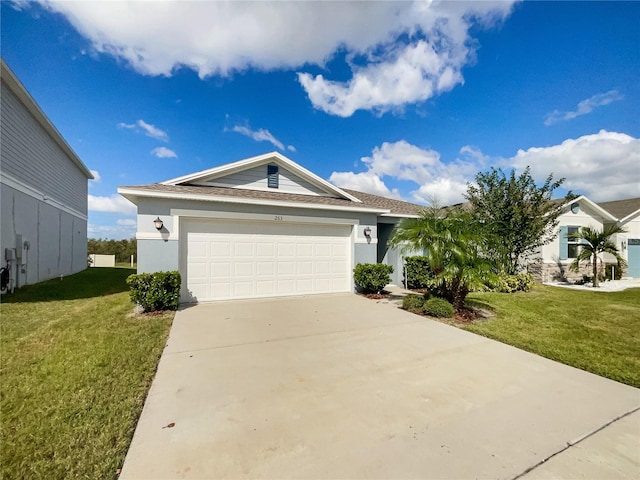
(9, 254)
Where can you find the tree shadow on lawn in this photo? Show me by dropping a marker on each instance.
(92, 282)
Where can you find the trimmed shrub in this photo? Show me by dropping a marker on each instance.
(439, 308)
(372, 277)
(417, 272)
(413, 303)
(155, 291)
(523, 282)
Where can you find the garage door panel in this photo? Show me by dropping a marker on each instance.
(243, 249)
(304, 268)
(229, 259)
(265, 268)
(220, 269)
(243, 268)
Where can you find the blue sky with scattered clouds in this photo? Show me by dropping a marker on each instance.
(402, 99)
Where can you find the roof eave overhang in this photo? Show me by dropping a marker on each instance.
(629, 217)
(132, 194)
(400, 215)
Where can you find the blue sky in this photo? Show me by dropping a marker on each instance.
(402, 99)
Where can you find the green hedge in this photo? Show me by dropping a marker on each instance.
(372, 277)
(522, 282)
(155, 291)
(413, 303)
(417, 272)
(439, 308)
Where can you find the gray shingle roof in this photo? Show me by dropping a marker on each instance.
(368, 200)
(621, 208)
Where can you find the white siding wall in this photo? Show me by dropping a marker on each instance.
(256, 179)
(550, 252)
(30, 156)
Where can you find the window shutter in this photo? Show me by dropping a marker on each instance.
(564, 249)
(272, 176)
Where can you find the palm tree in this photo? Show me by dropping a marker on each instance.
(452, 244)
(593, 242)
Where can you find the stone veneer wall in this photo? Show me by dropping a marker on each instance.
(556, 272)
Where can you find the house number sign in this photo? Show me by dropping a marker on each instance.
(278, 218)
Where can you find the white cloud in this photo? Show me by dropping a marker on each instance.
(117, 232)
(584, 107)
(219, 38)
(260, 135)
(163, 152)
(146, 128)
(368, 182)
(291, 148)
(604, 166)
(113, 204)
(435, 180)
(96, 177)
(126, 222)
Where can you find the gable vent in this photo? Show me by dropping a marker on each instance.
(272, 176)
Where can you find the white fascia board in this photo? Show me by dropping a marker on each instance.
(230, 168)
(400, 215)
(131, 194)
(34, 109)
(629, 217)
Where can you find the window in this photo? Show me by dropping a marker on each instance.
(572, 244)
(272, 176)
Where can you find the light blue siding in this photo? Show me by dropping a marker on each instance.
(256, 178)
(157, 256)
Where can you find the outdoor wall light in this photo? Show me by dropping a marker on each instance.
(367, 232)
(158, 223)
(623, 244)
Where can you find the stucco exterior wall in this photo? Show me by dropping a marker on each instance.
(159, 250)
(53, 242)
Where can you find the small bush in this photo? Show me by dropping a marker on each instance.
(155, 291)
(417, 272)
(439, 308)
(522, 282)
(413, 303)
(372, 277)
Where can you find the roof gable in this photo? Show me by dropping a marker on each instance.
(251, 174)
(589, 207)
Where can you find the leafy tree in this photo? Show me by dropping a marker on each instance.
(453, 244)
(518, 217)
(593, 242)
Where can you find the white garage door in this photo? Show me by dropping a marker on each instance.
(229, 259)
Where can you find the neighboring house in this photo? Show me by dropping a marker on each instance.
(558, 255)
(43, 188)
(262, 227)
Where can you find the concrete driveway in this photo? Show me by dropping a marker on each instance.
(341, 387)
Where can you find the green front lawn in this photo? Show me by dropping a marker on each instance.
(594, 331)
(75, 370)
